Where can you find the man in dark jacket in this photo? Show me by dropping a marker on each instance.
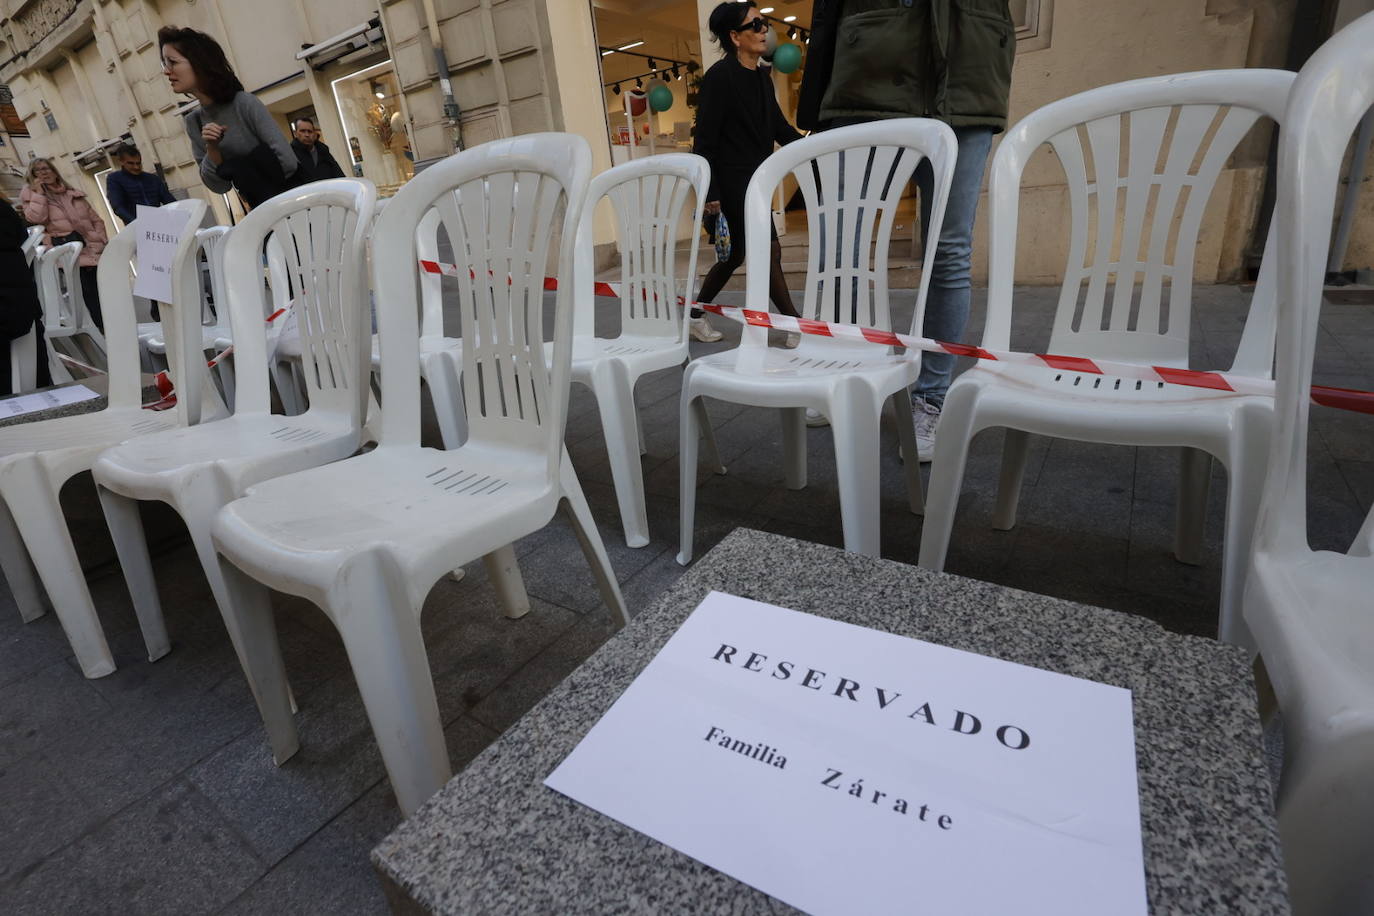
(946, 59)
(131, 186)
(317, 162)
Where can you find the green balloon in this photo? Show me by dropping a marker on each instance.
(660, 98)
(787, 58)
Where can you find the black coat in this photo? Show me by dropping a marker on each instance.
(309, 171)
(19, 306)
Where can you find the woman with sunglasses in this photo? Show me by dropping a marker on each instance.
(738, 121)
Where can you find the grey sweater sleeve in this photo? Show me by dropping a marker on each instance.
(258, 120)
(247, 123)
(208, 173)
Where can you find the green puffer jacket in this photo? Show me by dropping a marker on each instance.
(948, 59)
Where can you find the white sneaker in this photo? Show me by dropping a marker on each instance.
(701, 330)
(926, 417)
(815, 418)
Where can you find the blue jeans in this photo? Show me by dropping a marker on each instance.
(947, 302)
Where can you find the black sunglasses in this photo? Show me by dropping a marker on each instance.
(758, 25)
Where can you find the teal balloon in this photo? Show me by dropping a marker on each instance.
(787, 58)
(660, 98)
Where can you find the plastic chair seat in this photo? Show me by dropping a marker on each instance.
(802, 377)
(412, 503)
(73, 438)
(247, 449)
(1055, 402)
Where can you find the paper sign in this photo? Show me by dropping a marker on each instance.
(159, 234)
(843, 770)
(45, 400)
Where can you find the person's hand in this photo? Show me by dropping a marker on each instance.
(212, 133)
(713, 207)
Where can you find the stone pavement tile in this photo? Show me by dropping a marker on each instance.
(170, 853)
(1359, 476)
(1085, 486)
(151, 736)
(43, 811)
(1157, 471)
(1347, 436)
(470, 660)
(530, 684)
(1064, 561)
(29, 647)
(1333, 512)
(737, 489)
(644, 587)
(1152, 568)
(46, 707)
(275, 808)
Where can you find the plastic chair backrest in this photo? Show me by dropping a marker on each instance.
(1334, 90)
(59, 287)
(498, 204)
(33, 241)
(852, 179)
(647, 197)
(210, 243)
(431, 284)
(1141, 159)
(114, 276)
(316, 241)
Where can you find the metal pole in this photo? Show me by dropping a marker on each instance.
(452, 113)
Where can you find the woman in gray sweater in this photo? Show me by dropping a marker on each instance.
(232, 134)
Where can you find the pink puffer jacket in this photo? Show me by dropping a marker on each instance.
(65, 212)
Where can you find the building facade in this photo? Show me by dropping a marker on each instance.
(86, 74)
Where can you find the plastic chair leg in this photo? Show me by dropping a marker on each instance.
(131, 546)
(1013, 472)
(855, 421)
(505, 576)
(444, 394)
(906, 436)
(1190, 507)
(946, 475)
(1245, 483)
(198, 508)
(224, 369)
(584, 526)
(251, 608)
(18, 568)
(1327, 824)
(687, 474)
(43, 528)
(708, 433)
(620, 426)
(381, 634)
(793, 447)
(284, 380)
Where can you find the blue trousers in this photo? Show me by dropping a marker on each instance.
(947, 302)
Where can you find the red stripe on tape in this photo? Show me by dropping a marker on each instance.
(819, 328)
(431, 266)
(1344, 398)
(605, 289)
(1193, 379)
(550, 284)
(966, 350)
(872, 335)
(757, 318)
(1070, 363)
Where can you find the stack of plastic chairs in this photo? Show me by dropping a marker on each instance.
(66, 323)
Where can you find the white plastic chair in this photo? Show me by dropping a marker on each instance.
(24, 350)
(66, 323)
(648, 198)
(414, 513)
(215, 332)
(852, 179)
(198, 471)
(1191, 124)
(1310, 611)
(37, 458)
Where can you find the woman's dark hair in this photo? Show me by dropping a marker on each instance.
(214, 76)
(726, 18)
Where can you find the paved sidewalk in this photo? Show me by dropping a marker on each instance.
(152, 790)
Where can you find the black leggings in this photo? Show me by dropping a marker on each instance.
(732, 207)
(90, 292)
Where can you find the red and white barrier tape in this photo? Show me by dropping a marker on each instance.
(1343, 398)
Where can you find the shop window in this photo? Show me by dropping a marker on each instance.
(379, 147)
